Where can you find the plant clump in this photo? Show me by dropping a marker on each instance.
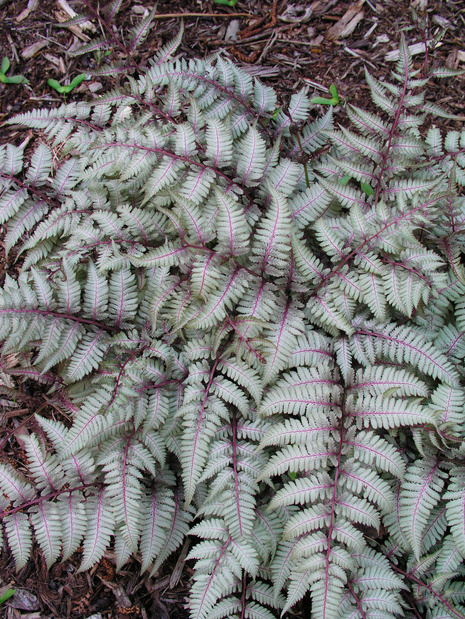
(253, 325)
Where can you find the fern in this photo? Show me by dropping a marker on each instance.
(249, 351)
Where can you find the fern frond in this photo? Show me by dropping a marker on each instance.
(46, 520)
(19, 537)
(14, 485)
(168, 50)
(139, 32)
(419, 495)
(100, 528)
(72, 513)
(250, 157)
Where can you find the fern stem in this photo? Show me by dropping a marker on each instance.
(429, 588)
(406, 344)
(189, 160)
(110, 241)
(67, 214)
(41, 195)
(29, 372)
(165, 383)
(155, 109)
(390, 138)
(307, 180)
(443, 435)
(451, 210)
(85, 321)
(228, 92)
(111, 34)
(212, 575)
(357, 600)
(78, 469)
(396, 220)
(236, 479)
(243, 596)
(242, 338)
(124, 484)
(48, 497)
(236, 262)
(334, 500)
(407, 268)
(203, 407)
(454, 343)
(173, 524)
(81, 121)
(15, 429)
(437, 158)
(118, 379)
(422, 31)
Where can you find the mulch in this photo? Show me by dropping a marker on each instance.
(288, 45)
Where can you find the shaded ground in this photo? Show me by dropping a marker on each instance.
(288, 45)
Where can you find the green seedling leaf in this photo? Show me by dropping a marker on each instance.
(333, 91)
(322, 101)
(344, 180)
(333, 101)
(390, 392)
(55, 85)
(292, 475)
(366, 188)
(76, 81)
(226, 2)
(5, 65)
(66, 89)
(14, 79)
(10, 592)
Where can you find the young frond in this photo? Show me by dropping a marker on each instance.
(271, 245)
(233, 230)
(168, 50)
(250, 157)
(420, 493)
(100, 528)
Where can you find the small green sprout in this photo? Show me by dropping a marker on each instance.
(9, 592)
(66, 89)
(14, 79)
(344, 180)
(99, 56)
(226, 2)
(365, 187)
(323, 101)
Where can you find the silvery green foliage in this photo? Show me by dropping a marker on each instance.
(246, 345)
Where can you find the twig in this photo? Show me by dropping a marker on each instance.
(372, 6)
(176, 574)
(181, 15)
(272, 39)
(255, 37)
(297, 42)
(357, 55)
(13, 47)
